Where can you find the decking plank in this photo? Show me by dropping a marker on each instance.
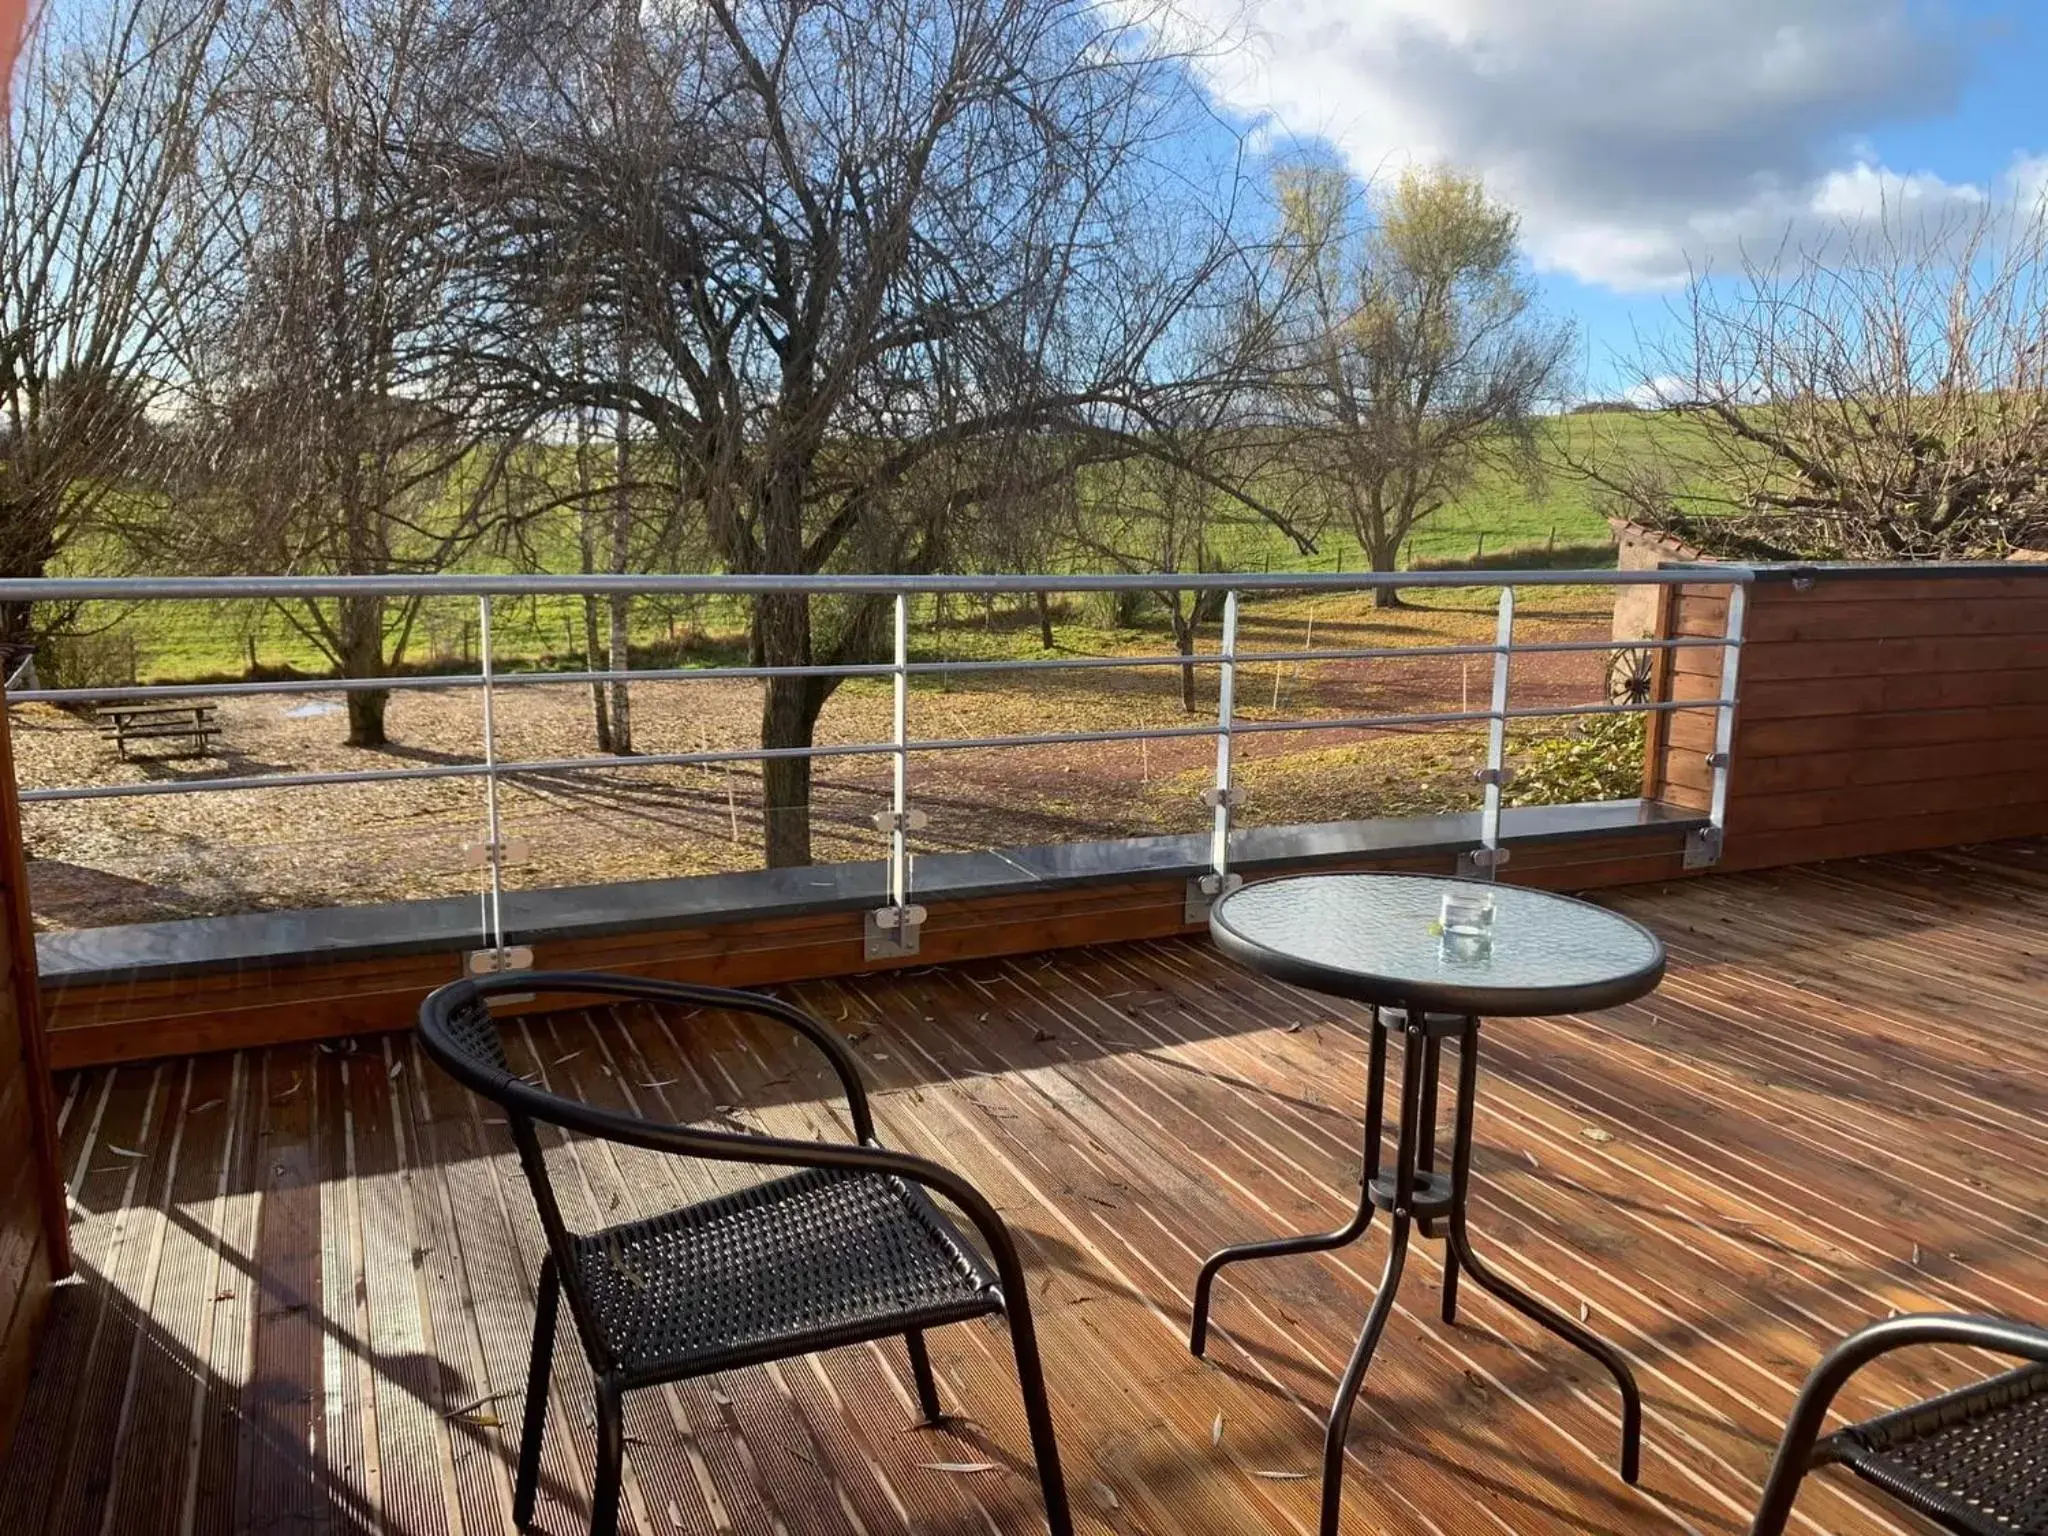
(1833, 1108)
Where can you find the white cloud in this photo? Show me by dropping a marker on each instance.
(1652, 394)
(1636, 136)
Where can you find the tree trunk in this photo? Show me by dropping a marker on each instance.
(620, 658)
(1184, 644)
(586, 549)
(600, 711)
(1045, 620)
(1384, 555)
(789, 715)
(362, 655)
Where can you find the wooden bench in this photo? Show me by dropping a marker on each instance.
(194, 724)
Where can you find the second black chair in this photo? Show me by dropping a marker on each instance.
(847, 1249)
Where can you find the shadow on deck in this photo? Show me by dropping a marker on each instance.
(306, 1273)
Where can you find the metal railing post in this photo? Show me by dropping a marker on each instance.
(1487, 858)
(496, 957)
(893, 930)
(1222, 799)
(1703, 847)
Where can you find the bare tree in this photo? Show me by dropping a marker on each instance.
(876, 259)
(1879, 394)
(110, 201)
(1408, 352)
(337, 443)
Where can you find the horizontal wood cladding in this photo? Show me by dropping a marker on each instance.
(1877, 714)
(1877, 731)
(1886, 618)
(1874, 656)
(97, 1024)
(1906, 763)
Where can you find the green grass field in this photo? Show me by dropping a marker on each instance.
(1498, 523)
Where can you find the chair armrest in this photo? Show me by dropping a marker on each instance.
(1796, 1451)
(842, 1061)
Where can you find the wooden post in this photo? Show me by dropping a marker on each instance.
(1657, 725)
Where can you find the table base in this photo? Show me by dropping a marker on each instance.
(1416, 1195)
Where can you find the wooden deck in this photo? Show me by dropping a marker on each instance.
(306, 1274)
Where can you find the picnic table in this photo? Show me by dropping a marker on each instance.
(196, 725)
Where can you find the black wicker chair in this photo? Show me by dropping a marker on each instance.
(1974, 1461)
(847, 1249)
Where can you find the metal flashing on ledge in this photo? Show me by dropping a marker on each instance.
(200, 946)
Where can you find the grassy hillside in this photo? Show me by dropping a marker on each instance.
(1498, 520)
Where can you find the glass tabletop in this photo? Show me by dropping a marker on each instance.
(1377, 937)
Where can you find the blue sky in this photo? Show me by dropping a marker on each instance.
(1640, 138)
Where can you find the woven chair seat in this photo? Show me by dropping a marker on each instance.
(1975, 1460)
(809, 1261)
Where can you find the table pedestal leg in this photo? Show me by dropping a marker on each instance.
(1320, 1242)
(1415, 1196)
(1461, 1257)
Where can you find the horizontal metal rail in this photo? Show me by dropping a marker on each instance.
(428, 682)
(893, 929)
(78, 589)
(559, 765)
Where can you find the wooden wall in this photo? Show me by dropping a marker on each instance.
(34, 1222)
(1878, 713)
(259, 1005)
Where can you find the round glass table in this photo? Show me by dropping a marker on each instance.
(1432, 956)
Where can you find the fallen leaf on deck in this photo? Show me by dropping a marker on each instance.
(958, 1466)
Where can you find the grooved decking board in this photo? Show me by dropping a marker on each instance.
(307, 1272)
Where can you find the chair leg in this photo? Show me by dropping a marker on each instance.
(1045, 1448)
(611, 1453)
(921, 1373)
(538, 1366)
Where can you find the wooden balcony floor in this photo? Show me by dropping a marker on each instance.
(305, 1274)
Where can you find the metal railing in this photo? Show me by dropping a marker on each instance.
(893, 929)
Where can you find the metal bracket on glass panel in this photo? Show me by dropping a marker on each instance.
(1499, 777)
(1229, 799)
(900, 821)
(892, 932)
(1703, 848)
(1477, 862)
(1203, 892)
